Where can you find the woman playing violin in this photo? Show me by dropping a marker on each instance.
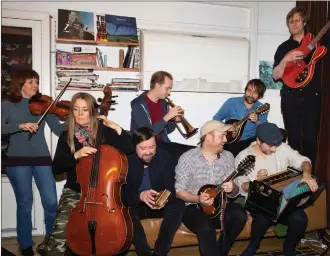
(28, 158)
(74, 143)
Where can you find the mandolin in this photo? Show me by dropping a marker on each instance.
(299, 73)
(216, 192)
(235, 133)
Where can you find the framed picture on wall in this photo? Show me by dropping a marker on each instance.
(266, 75)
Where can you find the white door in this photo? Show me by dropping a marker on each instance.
(24, 32)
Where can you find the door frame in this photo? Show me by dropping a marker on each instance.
(40, 22)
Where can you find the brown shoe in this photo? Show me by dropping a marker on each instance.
(42, 248)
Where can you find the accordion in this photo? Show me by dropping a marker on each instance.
(280, 193)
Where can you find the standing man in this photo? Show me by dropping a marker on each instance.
(238, 108)
(273, 156)
(151, 170)
(301, 107)
(209, 164)
(150, 110)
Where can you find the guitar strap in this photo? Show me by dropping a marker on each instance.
(222, 211)
(222, 219)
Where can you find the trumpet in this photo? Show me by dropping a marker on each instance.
(189, 129)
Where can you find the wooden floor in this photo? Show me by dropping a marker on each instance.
(268, 244)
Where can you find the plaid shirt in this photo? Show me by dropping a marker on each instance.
(193, 170)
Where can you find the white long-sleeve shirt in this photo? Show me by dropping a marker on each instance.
(279, 161)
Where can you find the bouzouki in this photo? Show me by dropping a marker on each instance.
(235, 133)
(299, 73)
(216, 192)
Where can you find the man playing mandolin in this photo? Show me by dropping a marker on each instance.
(301, 106)
(237, 108)
(209, 164)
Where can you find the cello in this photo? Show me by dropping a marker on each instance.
(100, 224)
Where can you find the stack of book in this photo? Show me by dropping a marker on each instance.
(132, 57)
(125, 84)
(84, 55)
(81, 78)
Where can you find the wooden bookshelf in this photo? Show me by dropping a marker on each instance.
(87, 42)
(90, 89)
(98, 68)
(79, 89)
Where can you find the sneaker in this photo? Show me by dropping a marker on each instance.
(27, 252)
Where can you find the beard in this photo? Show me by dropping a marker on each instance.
(250, 100)
(147, 159)
(266, 152)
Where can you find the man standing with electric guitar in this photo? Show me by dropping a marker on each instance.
(296, 64)
(244, 113)
(210, 164)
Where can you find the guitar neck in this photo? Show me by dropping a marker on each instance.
(320, 34)
(229, 178)
(240, 122)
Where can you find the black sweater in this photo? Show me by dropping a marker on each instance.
(64, 160)
(161, 171)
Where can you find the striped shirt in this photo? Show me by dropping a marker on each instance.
(193, 170)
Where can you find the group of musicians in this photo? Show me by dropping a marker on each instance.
(155, 163)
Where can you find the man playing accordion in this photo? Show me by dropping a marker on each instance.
(274, 156)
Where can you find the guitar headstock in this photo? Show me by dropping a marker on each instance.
(246, 165)
(263, 109)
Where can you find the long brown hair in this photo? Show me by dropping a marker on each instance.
(18, 80)
(93, 124)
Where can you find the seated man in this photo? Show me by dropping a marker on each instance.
(239, 107)
(151, 170)
(272, 156)
(209, 164)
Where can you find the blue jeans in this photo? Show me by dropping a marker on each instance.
(20, 178)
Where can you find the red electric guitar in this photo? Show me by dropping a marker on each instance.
(300, 72)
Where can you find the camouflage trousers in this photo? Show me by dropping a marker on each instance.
(56, 244)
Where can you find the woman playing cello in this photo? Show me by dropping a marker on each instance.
(74, 143)
(28, 158)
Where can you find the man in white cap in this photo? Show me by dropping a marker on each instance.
(209, 164)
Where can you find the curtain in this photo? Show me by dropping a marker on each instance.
(319, 13)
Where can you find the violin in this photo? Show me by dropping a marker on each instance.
(50, 105)
(40, 103)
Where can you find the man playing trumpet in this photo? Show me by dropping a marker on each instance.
(150, 108)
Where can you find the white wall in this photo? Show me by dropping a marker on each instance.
(263, 23)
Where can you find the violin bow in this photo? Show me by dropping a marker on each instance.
(54, 102)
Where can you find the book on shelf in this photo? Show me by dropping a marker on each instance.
(125, 80)
(84, 59)
(100, 28)
(128, 57)
(63, 58)
(80, 78)
(125, 89)
(69, 58)
(136, 62)
(73, 72)
(121, 28)
(125, 84)
(74, 24)
(84, 87)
